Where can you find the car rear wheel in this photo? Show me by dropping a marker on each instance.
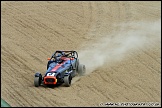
(67, 80)
(81, 69)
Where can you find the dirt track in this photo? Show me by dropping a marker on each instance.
(32, 31)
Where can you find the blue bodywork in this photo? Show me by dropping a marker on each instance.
(63, 69)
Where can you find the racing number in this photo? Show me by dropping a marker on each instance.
(50, 74)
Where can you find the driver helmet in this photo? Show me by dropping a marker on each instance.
(58, 58)
(63, 53)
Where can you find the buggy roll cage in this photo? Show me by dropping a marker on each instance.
(74, 54)
(69, 52)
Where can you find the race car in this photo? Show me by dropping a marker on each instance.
(61, 68)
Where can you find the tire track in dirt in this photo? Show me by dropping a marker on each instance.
(31, 31)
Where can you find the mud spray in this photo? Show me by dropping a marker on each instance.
(115, 46)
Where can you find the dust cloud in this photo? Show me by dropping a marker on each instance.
(116, 46)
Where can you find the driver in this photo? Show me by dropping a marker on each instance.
(61, 57)
(58, 58)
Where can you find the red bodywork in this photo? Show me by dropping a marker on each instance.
(50, 80)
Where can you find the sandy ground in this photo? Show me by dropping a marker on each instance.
(32, 31)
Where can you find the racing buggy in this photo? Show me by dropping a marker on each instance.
(61, 68)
